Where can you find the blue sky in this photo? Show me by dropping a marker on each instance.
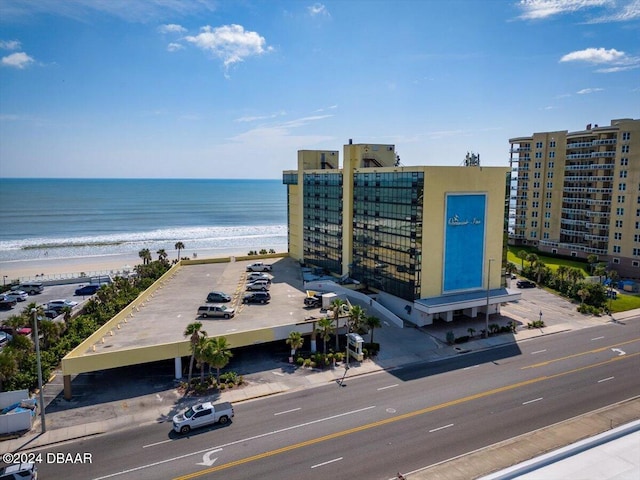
(233, 89)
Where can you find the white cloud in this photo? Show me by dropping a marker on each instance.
(318, 9)
(628, 12)
(260, 117)
(536, 9)
(586, 91)
(174, 47)
(18, 60)
(612, 60)
(231, 43)
(171, 28)
(594, 55)
(9, 44)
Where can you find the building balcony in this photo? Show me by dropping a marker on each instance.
(599, 226)
(588, 178)
(578, 156)
(586, 190)
(590, 166)
(606, 154)
(592, 201)
(604, 141)
(573, 145)
(597, 238)
(572, 233)
(597, 213)
(567, 221)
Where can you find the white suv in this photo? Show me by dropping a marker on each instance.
(19, 471)
(259, 285)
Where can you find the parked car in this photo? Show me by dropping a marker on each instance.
(30, 287)
(253, 276)
(256, 297)
(5, 338)
(219, 311)
(525, 284)
(313, 301)
(49, 313)
(60, 304)
(17, 295)
(26, 331)
(259, 267)
(6, 303)
(87, 290)
(218, 297)
(19, 471)
(201, 415)
(259, 285)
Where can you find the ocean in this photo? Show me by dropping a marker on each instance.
(70, 218)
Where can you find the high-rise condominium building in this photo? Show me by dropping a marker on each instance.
(428, 240)
(578, 193)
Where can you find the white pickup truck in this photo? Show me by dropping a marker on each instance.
(259, 267)
(201, 415)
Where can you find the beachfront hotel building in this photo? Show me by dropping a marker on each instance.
(578, 193)
(427, 240)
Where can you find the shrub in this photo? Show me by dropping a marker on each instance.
(451, 338)
(300, 361)
(462, 339)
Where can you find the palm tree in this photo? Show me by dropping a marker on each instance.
(145, 255)
(510, 268)
(532, 258)
(575, 274)
(194, 332)
(179, 246)
(357, 317)
(600, 271)
(295, 340)
(201, 355)
(336, 308)
(325, 329)
(540, 269)
(162, 255)
(592, 260)
(583, 293)
(372, 322)
(217, 354)
(522, 255)
(562, 272)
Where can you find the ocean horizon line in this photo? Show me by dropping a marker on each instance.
(143, 178)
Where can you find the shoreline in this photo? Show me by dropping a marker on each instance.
(58, 268)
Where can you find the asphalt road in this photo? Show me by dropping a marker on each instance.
(53, 292)
(380, 424)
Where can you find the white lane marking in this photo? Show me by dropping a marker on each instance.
(538, 351)
(597, 338)
(531, 401)
(473, 366)
(441, 428)
(280, 374)
(287, 411)
(327, 463)
(606, 379)
(619, 351)
(388, 386)
(207, 461)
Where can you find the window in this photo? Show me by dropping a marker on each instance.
(622, 187)
(538, 154)
(623, 174)
(536, 175)
(550, 165)
(626, 135)
(637, 224)
(536, 184)
(552, 154)
(549, 174)
(617, 236)
(547, 205)
(533, 234)
(537, 165)
(620, 198)
(546, 225)
(616, 260)
(549, 185)
(635, 263)
(618, 223)
(534, 214)
(552, 144)
(534, 224)
(537, 195)
(636, 238)
(619, 211)
(624, 162)
(547, 214)
(545, 236)
(624, 149)
(616, 249)
(538, 144)
(548, 195)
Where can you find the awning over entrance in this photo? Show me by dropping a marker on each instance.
(460, 301)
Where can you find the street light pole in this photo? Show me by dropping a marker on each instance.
(486, 318)
(39, 367)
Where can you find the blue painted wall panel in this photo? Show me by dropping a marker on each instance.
(465, 226)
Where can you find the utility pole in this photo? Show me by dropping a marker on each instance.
(34, 311)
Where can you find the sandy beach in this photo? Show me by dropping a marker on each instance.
(59, 268)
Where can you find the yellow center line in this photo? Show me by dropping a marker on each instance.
(404, 416)
(600, 349)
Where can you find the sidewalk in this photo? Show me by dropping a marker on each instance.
(398, 347)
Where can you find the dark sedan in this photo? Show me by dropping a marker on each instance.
(525, 284)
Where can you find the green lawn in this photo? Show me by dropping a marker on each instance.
(624, 302)
(552, 262)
